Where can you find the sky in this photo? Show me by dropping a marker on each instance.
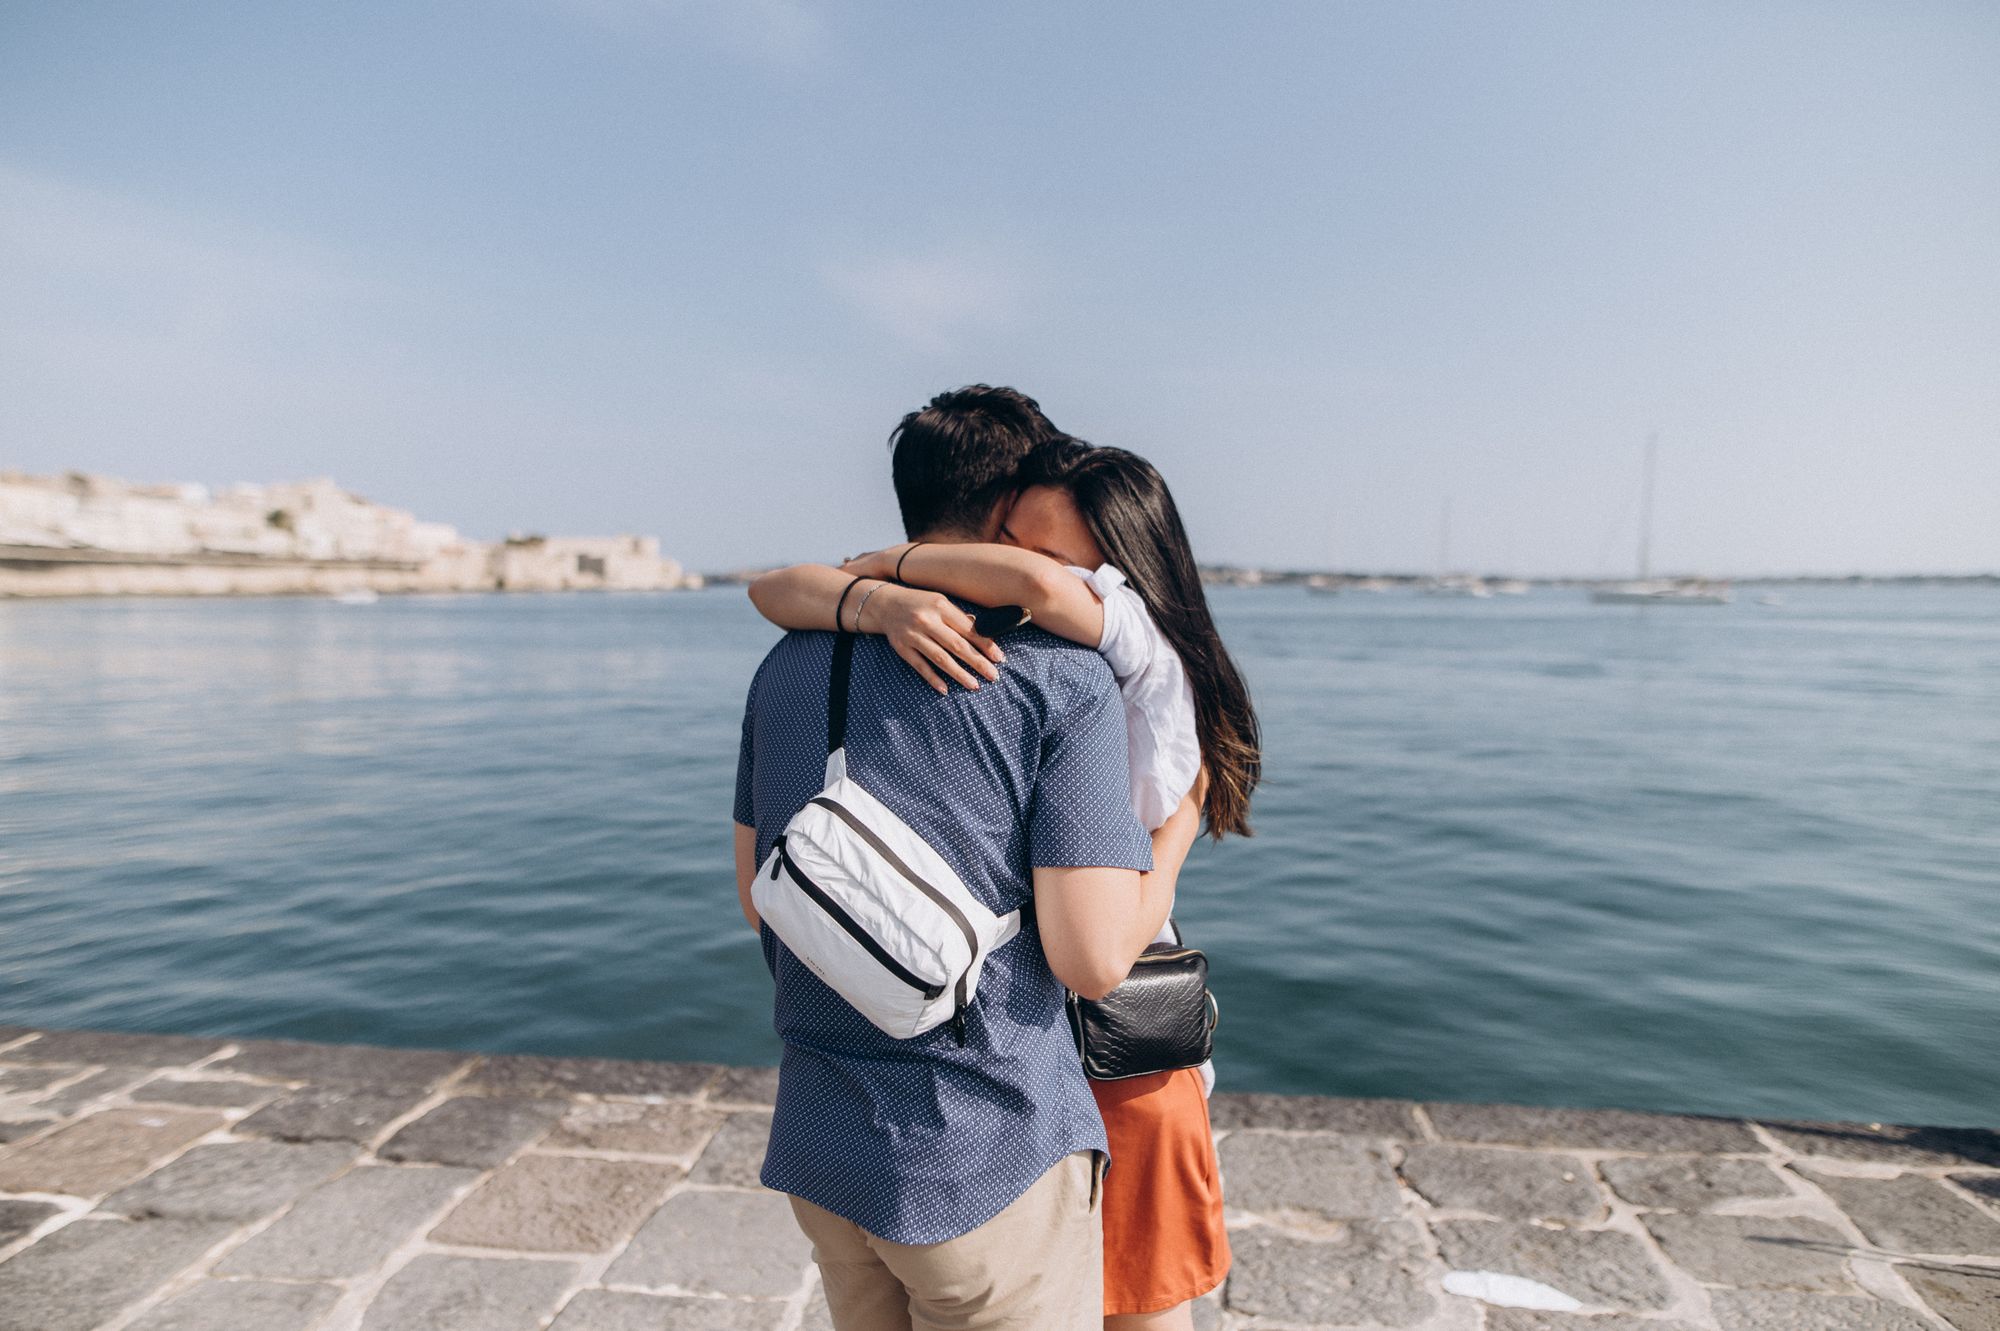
(678, 266)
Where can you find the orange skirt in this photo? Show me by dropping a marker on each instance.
(1163, 1237)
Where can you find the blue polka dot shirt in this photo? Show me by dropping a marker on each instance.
(922, 1140)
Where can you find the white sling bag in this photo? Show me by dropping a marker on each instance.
(868, 905)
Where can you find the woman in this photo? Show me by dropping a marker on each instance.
(1096, 552)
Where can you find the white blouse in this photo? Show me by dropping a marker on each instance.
(1162, 743)
(1161, 739)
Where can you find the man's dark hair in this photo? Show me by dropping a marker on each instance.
(954, 460)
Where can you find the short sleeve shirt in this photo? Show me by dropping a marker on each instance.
(922, 1140)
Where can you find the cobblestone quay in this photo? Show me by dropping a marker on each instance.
(180, 1183)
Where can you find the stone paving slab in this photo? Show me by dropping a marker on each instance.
(477, 1131)
(1969, 1300)
(337, 1064)
(439, 1293)
(1362, 1272)
(1335, 1177)
(294, 1187)
(1912, 1214)
(1918, 1148)
(79, 1094)
(555, 1203)
(1311, 1113)
(735, 1156)
(242, 1305)
(1524, 1319)
(28, 1077)
(98, 1152)
(1603, 1267)
(1513, 1185)
(1756, 1252)
(1777, 1310)
(350, 1226)
(82, 1274)
(640, 1129)
(1690, 1182)
(229, 1181)
(159, 1051)
(607, 1310)
(333, 1113)
(531, 1075)
(19, 1218)
(742, 1243)
(1590, 1129)
(206, 1094)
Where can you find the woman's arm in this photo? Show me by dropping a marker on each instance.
(924, 628)
(1060, 601)
(1171, 842)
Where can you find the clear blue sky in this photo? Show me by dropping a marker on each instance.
(676, 266)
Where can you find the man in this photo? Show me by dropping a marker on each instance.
(948, 1184)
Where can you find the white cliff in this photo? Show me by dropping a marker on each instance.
(79, 535)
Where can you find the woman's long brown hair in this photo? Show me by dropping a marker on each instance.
(1130, 512)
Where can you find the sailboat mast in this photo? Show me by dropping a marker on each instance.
(1646, 508)
(1444, 538)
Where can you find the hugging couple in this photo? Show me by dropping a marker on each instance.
(1046, 767)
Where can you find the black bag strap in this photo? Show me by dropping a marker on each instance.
(836, 691)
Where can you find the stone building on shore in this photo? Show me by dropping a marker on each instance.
(85, 535)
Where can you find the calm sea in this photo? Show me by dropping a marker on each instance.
(1741, 860)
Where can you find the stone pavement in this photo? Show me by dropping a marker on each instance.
(179, 1183)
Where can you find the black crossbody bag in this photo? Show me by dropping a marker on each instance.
(1161, 1019)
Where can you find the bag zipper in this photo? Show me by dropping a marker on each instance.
(847, 922)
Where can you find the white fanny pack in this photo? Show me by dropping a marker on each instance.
(868, 905)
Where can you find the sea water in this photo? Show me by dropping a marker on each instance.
(1739, 859)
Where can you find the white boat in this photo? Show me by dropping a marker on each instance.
(1647, 590)
(1323, 584)
(1510, 587)
(1685, 591)
(358, 596)
(1451, 584)
(1457, 584)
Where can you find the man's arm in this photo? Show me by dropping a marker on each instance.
(746, 872)
(1096, 922)
(1089, 926)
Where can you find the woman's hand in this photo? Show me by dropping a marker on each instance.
(932, 634)
(877, 563)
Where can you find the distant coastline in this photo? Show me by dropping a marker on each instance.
(85, 535)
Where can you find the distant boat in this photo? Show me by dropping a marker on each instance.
(1451, 584)
(1770, 598)
(1457, 584)
(1683, 591)
(358, 596)
(1646, 590)
(1510, 587)
(1323, 584)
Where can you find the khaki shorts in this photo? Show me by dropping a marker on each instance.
(1037, 1266)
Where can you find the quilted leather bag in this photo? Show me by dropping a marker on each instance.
(1162, 1018)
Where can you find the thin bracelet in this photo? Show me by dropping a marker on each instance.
(837, 605)
(898, 574)
(862, 604)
